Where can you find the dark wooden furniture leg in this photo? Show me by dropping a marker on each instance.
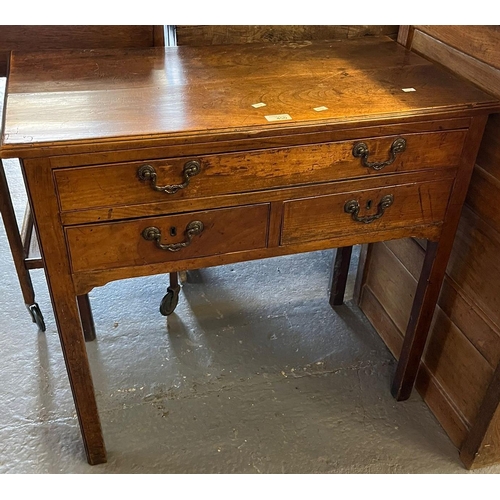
(86, 317)
(339, 276)
(78, 369)
(17, 249)
(64, 301)
(433, 271)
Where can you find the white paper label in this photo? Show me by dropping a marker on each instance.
(320, 108)
(277, 118)
(259, 105)
(409, 89)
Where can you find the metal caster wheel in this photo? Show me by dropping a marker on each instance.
(37, 316)
(169, 302)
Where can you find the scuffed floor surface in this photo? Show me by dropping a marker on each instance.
(253, 373)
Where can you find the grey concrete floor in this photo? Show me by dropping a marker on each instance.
(253, 373)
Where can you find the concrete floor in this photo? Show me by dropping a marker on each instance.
(253, 373)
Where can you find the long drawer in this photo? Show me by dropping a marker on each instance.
(151, 181)
(367, 210)
(173, 237)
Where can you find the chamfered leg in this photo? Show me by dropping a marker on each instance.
(42, 195)
(434, 269)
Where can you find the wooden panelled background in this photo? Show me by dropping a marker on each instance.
(38, 37)
(460, 375)
(216, 35)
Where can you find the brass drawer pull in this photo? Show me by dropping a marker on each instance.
(148, 173)
(154, 234)
(360, 150)
(352, 207)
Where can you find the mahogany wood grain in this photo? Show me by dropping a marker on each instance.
(137, 93)
(172, 205)
(413, 205)
(87, 280)
(121, 243)
(431, 229)
(116, 185)
(170, 147)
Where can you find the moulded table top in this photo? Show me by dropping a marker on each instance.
(79, 97)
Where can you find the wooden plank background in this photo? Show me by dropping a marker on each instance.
(33, 37)
(215, 35)
(460, 375)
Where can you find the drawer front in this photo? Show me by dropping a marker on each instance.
(168, 238)
(364, 211)
(204, 176)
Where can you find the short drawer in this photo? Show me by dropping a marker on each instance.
(368, 210)
(162, 180)
(167, 238)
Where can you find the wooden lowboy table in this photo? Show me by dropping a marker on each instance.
(157, 160)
